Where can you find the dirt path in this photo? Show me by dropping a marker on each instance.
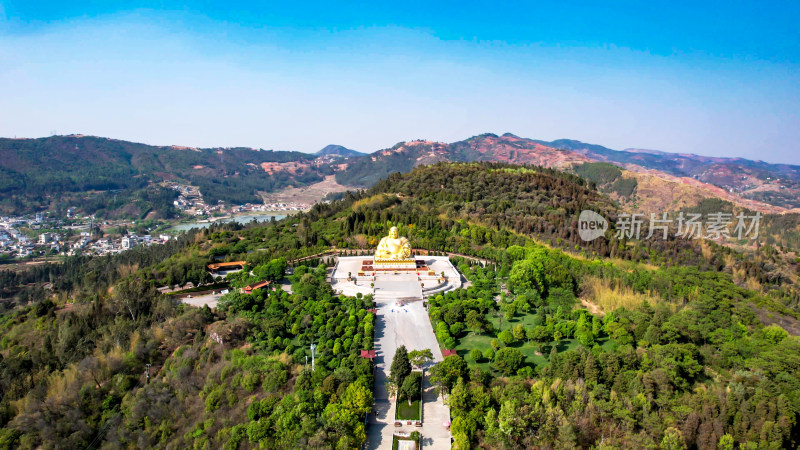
(594, 309)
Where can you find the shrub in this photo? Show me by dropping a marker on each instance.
(475, 354)
(213, 399)
(506, 337)
(250, 381)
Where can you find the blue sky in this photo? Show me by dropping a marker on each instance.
(719, 78)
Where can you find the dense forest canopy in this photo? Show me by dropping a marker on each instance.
(38, 174)
(560, 343)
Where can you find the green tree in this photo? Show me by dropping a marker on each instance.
(673, 440)
(509, 420)
(508, 360)
(446, 373)
(561, 297)
(775, 334)
(518, 332)
(273, 270)
(400, 367)
(475, 321)
(420, 357)
(412, 387)
(475, 354)
(515, 252)
(346, 423)
(459, 398)
(527, 274)
(463, 428)
(585, 337)
(506, 337)
(726, 442)
(358, 398)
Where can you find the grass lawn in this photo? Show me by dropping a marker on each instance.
(482, 342)
(525, 319)
(406, 412)
(404, 443)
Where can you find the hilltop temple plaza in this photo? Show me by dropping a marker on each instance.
(394, 274)
(399, 282)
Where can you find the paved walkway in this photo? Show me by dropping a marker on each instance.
(389, 288)
(209, 299)
(395, 326)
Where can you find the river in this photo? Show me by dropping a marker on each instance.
(242, 218)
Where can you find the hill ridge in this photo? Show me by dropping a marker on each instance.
(338, 150)
(36, 172)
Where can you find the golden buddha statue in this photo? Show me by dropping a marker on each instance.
(393, 247)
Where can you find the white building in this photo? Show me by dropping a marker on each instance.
(128, 242)
(80, 243)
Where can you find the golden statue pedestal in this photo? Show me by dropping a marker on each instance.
(400, 263)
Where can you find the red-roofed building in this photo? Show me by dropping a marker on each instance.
(227, 265)
(370, 354)
(260, 285)
(446, 353)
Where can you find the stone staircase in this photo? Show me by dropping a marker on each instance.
(390, 296)
(438, 289)
(397, 287)
(449, 284)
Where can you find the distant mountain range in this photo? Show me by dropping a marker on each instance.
(679, 178)
(775, 184)
(91, 172)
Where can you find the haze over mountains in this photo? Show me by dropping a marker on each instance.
(38, 173)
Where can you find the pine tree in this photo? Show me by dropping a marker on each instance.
(401, 366)
(590, 371)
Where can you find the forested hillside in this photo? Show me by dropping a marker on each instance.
(607, 178)
(114, 178)
(612, 344)
(99, 173)
(774, 184)
(755, 184)
(73, 365)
